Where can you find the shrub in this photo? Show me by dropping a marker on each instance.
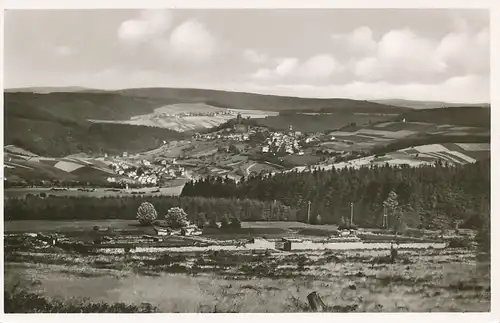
(176, 218)
(212, 224)
(201, 220)
(27, 302)
(146, 213)
(344, 226)
(224, 223)
(458, 243)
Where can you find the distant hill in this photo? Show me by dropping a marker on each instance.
(47, 89)
(426, 104)
(56, 123)
(468, 116)
(252, 101)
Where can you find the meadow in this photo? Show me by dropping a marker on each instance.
(447, 280)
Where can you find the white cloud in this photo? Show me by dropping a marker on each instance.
(360, 41)
(148, 24)
(254, 56)
(319, 66)
(192, 40)
(402, 56)
(315, 68)
(286, 66)
(466, 52)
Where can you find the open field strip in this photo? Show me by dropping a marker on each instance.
(67, 166)
(474, 146)
(462, 156)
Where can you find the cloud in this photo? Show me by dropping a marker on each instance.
(286, 66)
(193, 41)
(147, 25)
(254, 56)
(466, 52)
(359, 42)
(315, 68)
(319, 66)
(403, 56)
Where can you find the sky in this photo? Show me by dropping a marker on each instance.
(414, 54)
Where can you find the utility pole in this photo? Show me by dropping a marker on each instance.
(352, 212)
(309, 212)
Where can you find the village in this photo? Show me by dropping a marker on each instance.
(146, 172)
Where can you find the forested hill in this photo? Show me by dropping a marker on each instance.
(430, 197)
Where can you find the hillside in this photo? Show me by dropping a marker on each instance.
(56, 124)
(78, 106)
(252, 101)
(22, 166)
(468, 116)
(51, 89)
(57, 138)
(426, 104)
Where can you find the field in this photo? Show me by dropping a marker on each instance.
(452, 153)
(383, 133)
(241, 281)
(319, 122)
(174, 117)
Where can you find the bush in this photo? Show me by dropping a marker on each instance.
(27, 302)
(212, 224)
(224, 223)
(201, 220)
(458, 243)
(176, 218)
(344, 226)
(146, 213)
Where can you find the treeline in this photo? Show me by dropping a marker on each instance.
(230, 124)
(92, 208)
(469, 116)
(438, 196)
(28, 302)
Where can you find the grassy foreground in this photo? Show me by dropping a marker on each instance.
(348, 281)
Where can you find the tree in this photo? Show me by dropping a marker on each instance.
(390, 205)
(235, 223)
(146, 213)
(224, 223)
(212, 224)
(201, 220)
(176, 218)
